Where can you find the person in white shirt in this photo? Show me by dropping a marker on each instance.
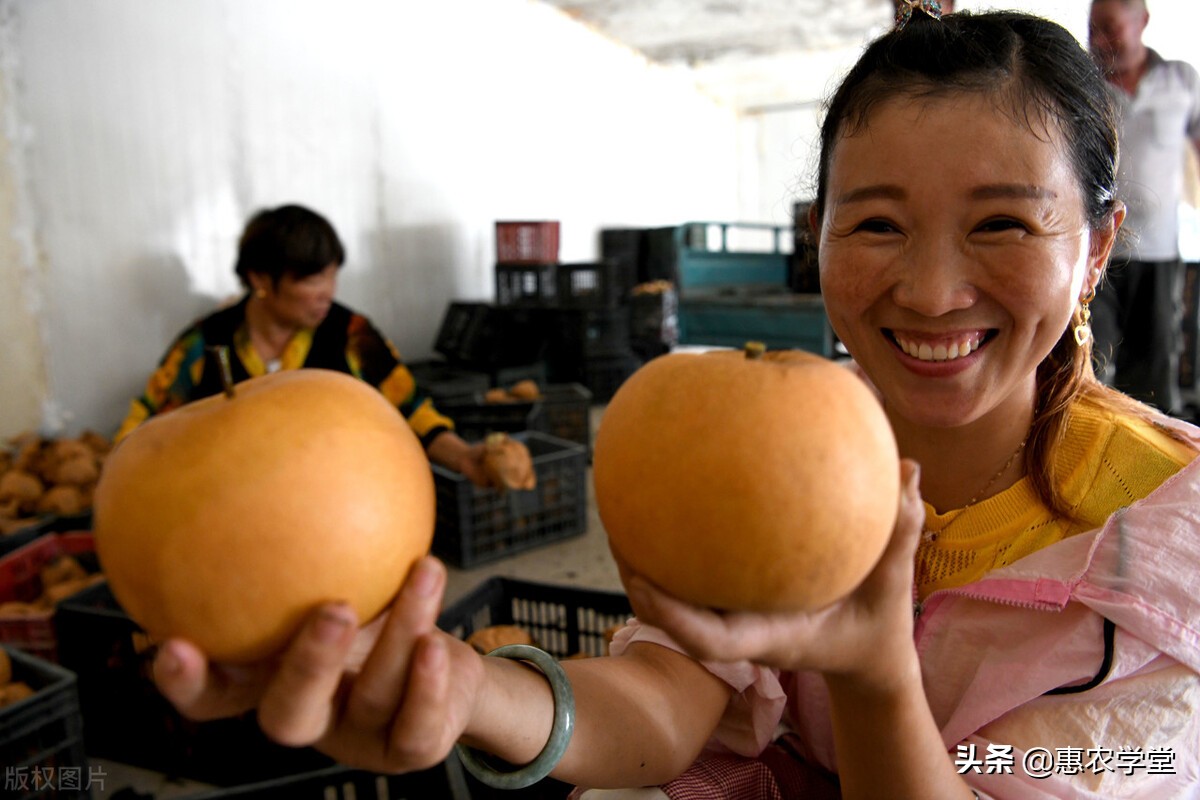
(1138, 311)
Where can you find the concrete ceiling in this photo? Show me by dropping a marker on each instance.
(752, 54)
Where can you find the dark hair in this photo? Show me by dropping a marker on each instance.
(288, 240)
(1034, 65)
(1036, 71)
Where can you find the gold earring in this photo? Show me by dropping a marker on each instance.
(260, 293)
(1083, 330)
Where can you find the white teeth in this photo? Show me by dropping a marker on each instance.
(940, 352)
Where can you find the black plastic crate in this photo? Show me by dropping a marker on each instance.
(442, 380)
(660, 259)
(474, 418)
(583, 334)
(654, 314)
(626, 247)
(564, 620)
(55, 523)
(130, 722)
(475, 525)
(507, 376)
(804, 274)
(604, 375)
(601, 284)
(526, 284)
(459, 325)
(1189, 359)
(342, 783)
(565, 412)
(41, 737)
(603, 332)
(483, 337)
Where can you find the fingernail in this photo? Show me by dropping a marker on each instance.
(332, 623)
(913, 475)
(167, 663)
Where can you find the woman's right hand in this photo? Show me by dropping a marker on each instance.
(865, 637)
(402, 709)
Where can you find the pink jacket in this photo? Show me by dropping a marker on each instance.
(992, 650)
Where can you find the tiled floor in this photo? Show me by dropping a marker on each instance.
(580, 561)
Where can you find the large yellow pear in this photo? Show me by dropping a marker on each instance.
(748, 481)
(227, 520)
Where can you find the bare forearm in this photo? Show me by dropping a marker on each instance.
(448, 449)
(888, 744)
(641, 719)
(452, 452)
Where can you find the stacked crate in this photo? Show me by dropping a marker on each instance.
(503, 344)
(41, 734)
(582, 307)
(552, 322)
(650, 256)
(526, 262)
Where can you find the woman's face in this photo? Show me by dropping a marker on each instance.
(953, 251)
(299, 302)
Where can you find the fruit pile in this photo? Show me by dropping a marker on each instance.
(59, 578)
(11, 691)
(41, 476)
(520, 392)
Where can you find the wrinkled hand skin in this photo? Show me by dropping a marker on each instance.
(392, 697)
(473, 466)
(859, 637)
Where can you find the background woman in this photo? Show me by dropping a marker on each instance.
(288, 262)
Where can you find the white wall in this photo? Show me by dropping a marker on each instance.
(778, 150)
(138, 135)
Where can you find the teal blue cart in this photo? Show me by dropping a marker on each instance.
(732, 280)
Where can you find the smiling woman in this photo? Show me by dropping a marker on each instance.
(965, 210)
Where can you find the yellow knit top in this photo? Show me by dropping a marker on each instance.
(1106, 461)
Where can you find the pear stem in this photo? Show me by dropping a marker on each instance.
(222, 354)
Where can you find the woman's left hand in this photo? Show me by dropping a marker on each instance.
(854, 637)
(453, 452)
(391, 697)
(471, 465)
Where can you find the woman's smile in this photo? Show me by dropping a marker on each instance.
(937, 347)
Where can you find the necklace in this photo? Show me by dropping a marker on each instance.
(932, 536)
